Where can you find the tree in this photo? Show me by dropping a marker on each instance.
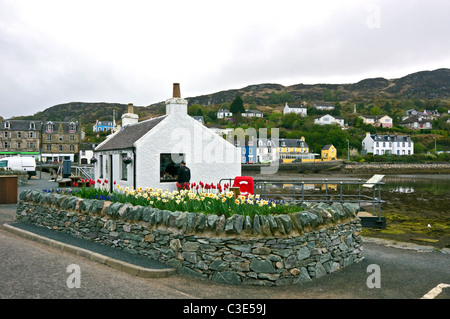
(237, 106)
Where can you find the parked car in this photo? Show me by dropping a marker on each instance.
(18, 163)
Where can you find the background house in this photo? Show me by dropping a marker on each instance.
(60, 140)
(224, 113)
(324, 106)
(20, 137)
(377, 120)
(328, 153)
(295, 108)
(102, 126)
(155, 148)
(416, 122)
(252, 113)
(329, 119)
(290, 150)
(266, 150)
(387, 144)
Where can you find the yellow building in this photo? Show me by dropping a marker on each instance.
(328, 153)
(290, 150)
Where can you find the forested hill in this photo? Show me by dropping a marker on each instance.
(421, 85)
(425, 85)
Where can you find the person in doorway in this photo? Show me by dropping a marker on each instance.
(184, 176)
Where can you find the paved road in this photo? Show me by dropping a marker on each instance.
(32, 270)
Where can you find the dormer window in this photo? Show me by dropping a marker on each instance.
(32, 126)
(72, 127)
(49, 127)
(7, 125)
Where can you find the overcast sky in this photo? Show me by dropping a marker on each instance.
(60, 51)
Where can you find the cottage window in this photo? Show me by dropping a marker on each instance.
(169, 164)
(101, 166)
(124, 169)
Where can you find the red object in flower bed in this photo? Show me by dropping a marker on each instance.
(245, 184)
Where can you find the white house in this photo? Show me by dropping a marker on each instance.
(266, 150)
(224, 113)
(415, 122)
(329, 119)
(387, 144)
(297, 109)
(252, 113)
(324, 106)
(155, 147)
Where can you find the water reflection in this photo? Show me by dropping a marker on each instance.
(401, 189)
(437, 184)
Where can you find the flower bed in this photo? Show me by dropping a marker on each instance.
(267, 250)
(198, 198)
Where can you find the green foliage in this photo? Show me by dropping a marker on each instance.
(237, 106)
(280, 98)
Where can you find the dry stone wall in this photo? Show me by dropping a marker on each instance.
(260, 250)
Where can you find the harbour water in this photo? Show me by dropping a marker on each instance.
(434, 184)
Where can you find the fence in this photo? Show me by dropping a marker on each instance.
(321, 190)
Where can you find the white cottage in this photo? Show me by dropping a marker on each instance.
(296, 108)
(148, 153)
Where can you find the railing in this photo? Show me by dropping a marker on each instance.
(84, 171)
(320, 190)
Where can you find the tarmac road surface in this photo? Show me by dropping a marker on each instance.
(29, 270)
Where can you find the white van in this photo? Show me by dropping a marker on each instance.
(17, 163)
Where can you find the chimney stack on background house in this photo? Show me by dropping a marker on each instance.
(130, 117)
(176, 105)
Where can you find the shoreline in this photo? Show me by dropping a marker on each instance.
(342, 167)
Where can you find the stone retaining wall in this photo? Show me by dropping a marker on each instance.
(260, 250)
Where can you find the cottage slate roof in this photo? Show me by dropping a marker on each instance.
(327, 147)
(296, 106)
(128, 135)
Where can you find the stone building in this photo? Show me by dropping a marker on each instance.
(60, 140)
(20, 137)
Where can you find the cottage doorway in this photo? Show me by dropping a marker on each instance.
(110, 177)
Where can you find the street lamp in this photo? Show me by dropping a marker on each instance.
(348, 150)
(435, 150)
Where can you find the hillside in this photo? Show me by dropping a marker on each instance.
(425, 85)
(421, 85)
